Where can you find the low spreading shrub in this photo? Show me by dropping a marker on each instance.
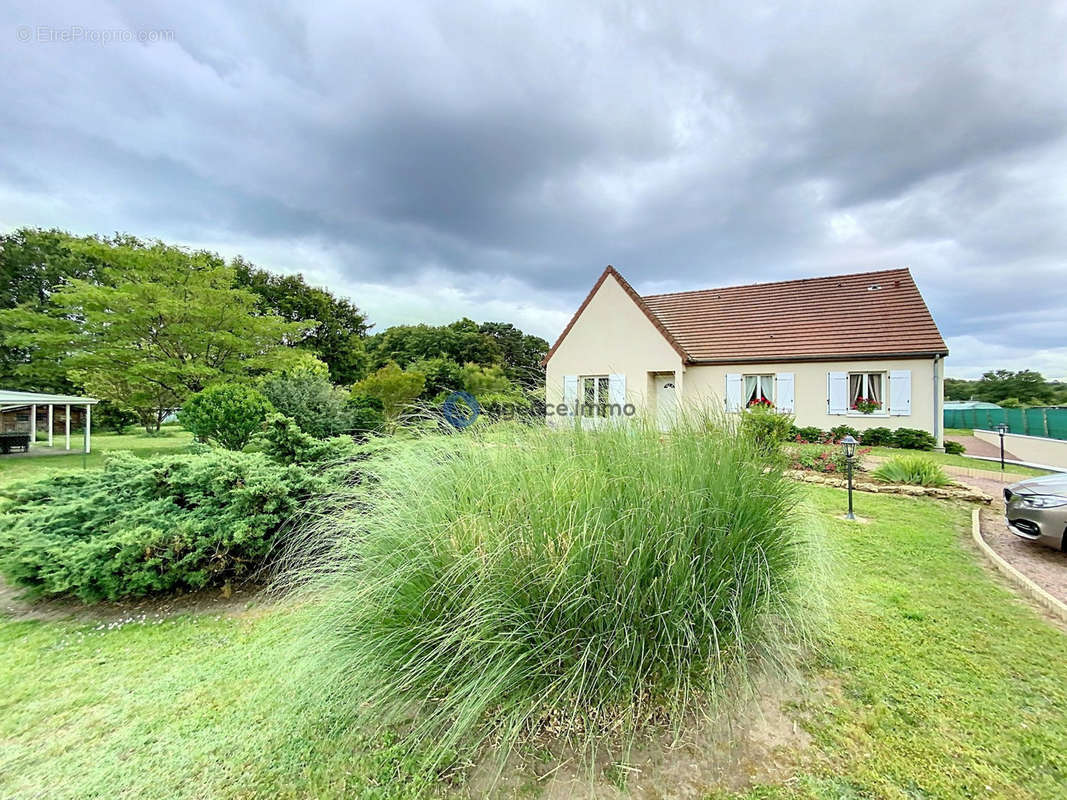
(810, 434)
(226, 414)
(914, 470)
(583, 580)
(284, 442)
(913, 439)
(767, 427)
(817, 458)
(954, 448)
(141, 526)
(839, 432)
(877, 437)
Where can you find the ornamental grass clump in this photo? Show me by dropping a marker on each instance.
(913, 470)
(494, 584)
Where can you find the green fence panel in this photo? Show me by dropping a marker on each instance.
(1057, 423)
(1049, 422)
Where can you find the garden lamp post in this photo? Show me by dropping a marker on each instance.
(1002, 429)
(848, 444)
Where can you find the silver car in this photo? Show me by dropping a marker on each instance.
(1036, 509)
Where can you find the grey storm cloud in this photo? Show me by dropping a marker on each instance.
(496, 156)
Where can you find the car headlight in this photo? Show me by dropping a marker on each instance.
(1043, 500)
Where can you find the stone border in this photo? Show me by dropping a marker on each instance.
(955, 492)
(1028, 587)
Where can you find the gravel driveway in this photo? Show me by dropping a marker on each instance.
(1043, 565)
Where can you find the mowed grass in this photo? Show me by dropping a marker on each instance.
(14, 468)
(947, 459)
(936, 682)
(940, 682)
(190, 707)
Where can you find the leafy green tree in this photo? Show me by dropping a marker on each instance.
(335, 326)
(157, 324)
(318, 407)
(1025, 386)
(34, 264)
(960, 389)
(395, 388)
(113, 418)
(226, 414)
(368, 416)
(461, 342)
(442, 376)
(520, 353)
(493, 391)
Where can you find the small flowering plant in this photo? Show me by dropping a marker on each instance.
(759, 402)
(866, 405)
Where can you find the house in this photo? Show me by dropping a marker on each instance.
(823, 349)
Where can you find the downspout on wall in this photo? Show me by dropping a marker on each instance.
(939, 414)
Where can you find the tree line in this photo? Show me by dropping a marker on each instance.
(1009, 389)
(145, 325)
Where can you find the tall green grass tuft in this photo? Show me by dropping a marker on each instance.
(487, 585)
(913, 470)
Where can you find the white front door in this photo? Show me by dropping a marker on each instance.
(666, 400)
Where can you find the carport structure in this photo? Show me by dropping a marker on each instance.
(14, 406)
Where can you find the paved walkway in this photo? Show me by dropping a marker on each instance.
(976, 447)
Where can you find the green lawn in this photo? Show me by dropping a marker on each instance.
(15, 468)
(939, 683)
(958, 461)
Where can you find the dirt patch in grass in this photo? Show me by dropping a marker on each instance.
(764, 744)
(244, 599)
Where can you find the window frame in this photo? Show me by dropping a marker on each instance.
(757, 375)
(601, 400)
(884, 410)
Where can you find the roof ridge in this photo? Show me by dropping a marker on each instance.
(779, 283)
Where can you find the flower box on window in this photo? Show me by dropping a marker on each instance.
(866, 405)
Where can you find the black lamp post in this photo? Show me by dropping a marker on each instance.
(848, 444)
(1002, 429)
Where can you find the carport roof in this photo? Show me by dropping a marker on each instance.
(12, 398)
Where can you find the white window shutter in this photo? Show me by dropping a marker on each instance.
(733, 391)
(616, 390)
(900, 393)
(784, 398)
(570, 393)
(837, 392)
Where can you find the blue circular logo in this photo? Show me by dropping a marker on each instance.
(461, 409)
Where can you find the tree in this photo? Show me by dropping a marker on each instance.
(492, 389)
(461, 342)
(336, 327)
(442, 376)
(34, 264)
(521, 353)
(112, 417)
(156, 325)
(1026, 387)
(394, 387)
(318, 407)
(227, 414)
(367, 414)
(959, 389)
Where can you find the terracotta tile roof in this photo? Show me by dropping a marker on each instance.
(814, 318)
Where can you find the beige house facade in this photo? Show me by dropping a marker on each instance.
(789, 345)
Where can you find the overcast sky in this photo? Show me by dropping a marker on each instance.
(434, 160)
